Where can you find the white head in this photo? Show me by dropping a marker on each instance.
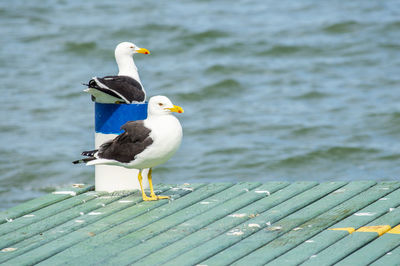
(123, 55)
(161, 105)
(128, 49)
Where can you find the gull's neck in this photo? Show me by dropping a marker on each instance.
(127, 67)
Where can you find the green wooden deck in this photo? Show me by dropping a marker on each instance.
(276, 223)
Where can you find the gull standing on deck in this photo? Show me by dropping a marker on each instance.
(143, 144)
(124, 88)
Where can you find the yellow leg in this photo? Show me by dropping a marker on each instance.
(144, 196)
(152, 194)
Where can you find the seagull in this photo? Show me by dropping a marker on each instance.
(126, 86)
(144, 143)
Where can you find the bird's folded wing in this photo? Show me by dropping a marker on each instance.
(123, 87)
(127, 145)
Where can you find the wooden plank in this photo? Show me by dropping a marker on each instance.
(108, 204)
(257, 241)
(219, 227)
(89, 231)
(198, 222)
(355, 241)
(304, 231)
(242, 233)
(43, 213)
(262, 237)
(36, 204)
(327, 237)
(357, 253)
(352, 242)
(103, 250)
(390, 258)
(70, 208)
(232, 226)
(111, 227)
(376, 249)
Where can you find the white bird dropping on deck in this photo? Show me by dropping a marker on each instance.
(126, 87)
(143, 144)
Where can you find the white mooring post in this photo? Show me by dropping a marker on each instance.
(108, 120)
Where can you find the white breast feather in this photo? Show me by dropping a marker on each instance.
(167, 136)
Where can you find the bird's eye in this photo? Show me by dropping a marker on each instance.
(160, 104)
(132, 47)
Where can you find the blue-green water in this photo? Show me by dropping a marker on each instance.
(272, 90)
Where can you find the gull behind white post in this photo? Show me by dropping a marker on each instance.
(143, 144)
(126, 87)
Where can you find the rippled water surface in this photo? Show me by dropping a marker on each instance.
(272, 90)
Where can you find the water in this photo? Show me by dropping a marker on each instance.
(272, 90)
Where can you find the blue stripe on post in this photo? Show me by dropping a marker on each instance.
(110, 117)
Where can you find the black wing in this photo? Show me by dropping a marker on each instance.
(122, 87)
(127, 145)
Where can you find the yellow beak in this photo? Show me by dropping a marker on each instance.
(142, 51)
(176, 109)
